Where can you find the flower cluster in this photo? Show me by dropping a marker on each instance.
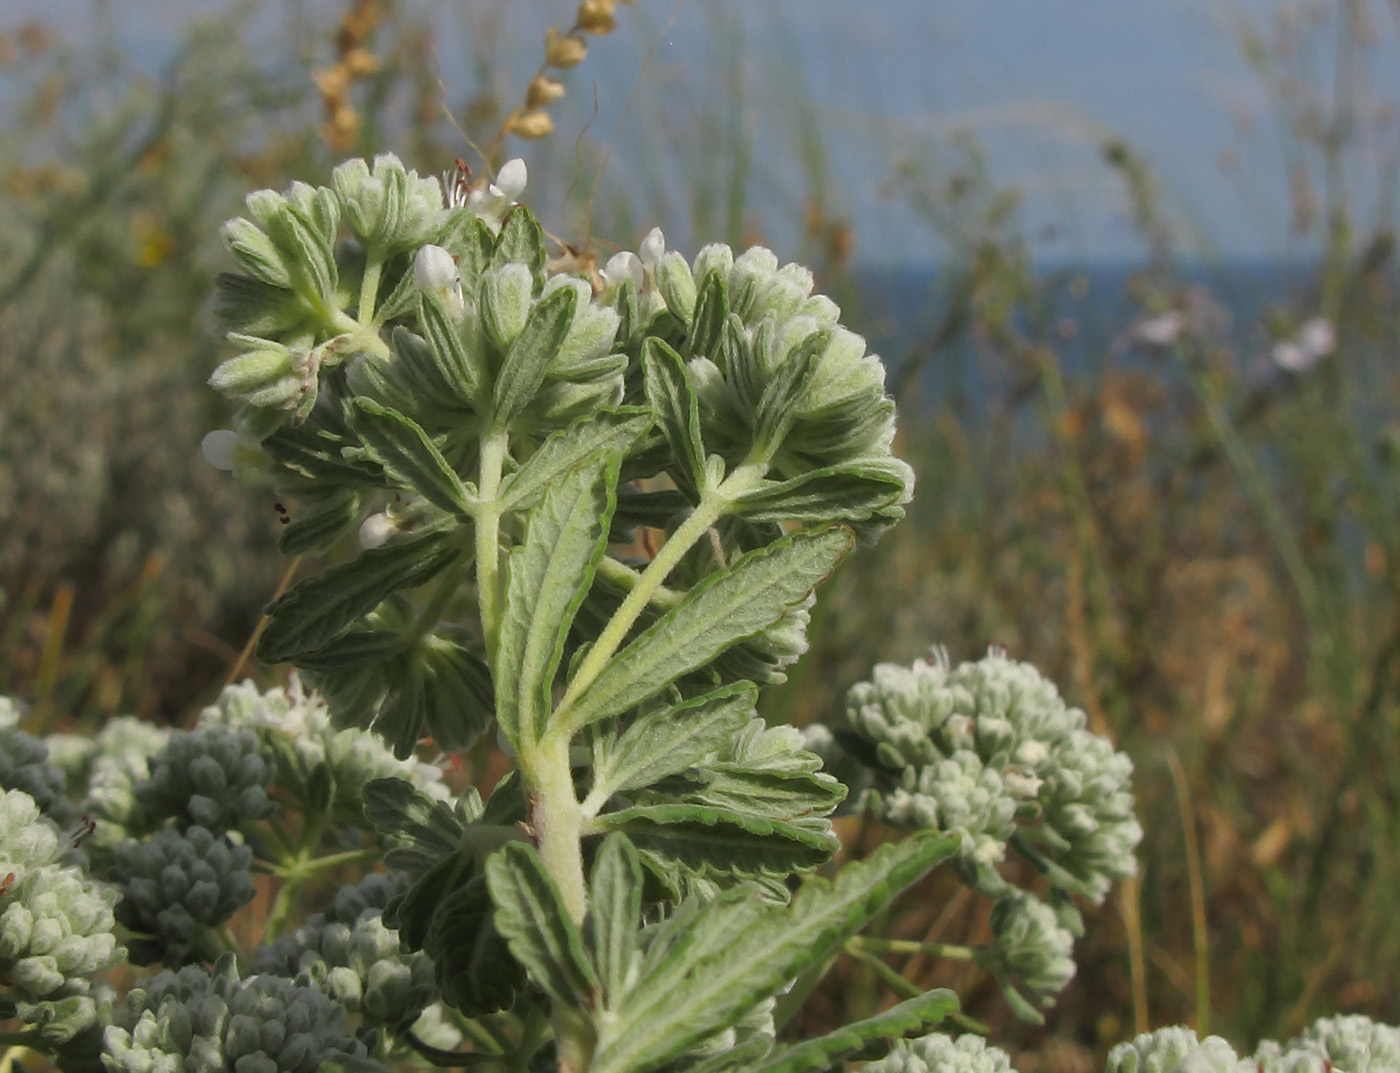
(176, 886)
(200, 1020)
(990, 750)
(56, 926)
(24, 765)
(214, 777)
(937, 1053)
(1353, 1044)
(351, 955)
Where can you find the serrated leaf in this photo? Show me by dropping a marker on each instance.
(321, 608)
(770, 794)
(470, 242)
(709, 841)
(615, 909)
(356, 647)
(668, 740)
(673, 399)
(321, 523)
(471, 960)
(652, 1027)
(315, 454)
(410, 457)
(609, 431)
(461, 367)
(531, 915)
(396, 807)
(711, 313)
(850, 492)
(530, 354)
(459, 695)
(864, 1039)
(550, 574)
(521, 241)
(725, 608)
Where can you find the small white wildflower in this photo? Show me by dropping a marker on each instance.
(621, 266)
(232, 452)
(1159, 331)
(652, 249)
(493, 201)
(1316, 340)
(435, 271)
(375, 530)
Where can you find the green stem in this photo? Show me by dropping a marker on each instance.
(297, 869)
(430, 615)
(282, 907)
(367, 339)
(625, 577)
(531, 1036)
(451, 1059)
(713, 505)
(896, 983)
(947, 951)
(556, 819)
(488, 538)
(369, 289)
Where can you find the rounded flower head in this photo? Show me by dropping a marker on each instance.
(937, 1053)
(1176, 1050)
(214, 777)
(1352, 1043)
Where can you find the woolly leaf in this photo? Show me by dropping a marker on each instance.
(323, 607)
(531, 353)
(668, 740)
(521, 241)
(459, 365)
(615, 896)
(549, 577)
(725, 608)
(396, 807)
(850, 492)
(606, 432)
(864, 1039)
(531, 915)
(693, 954)
(411, 458)
(670, 393)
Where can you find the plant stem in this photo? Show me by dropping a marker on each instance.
(369, 290)
(556, 819)
(488, 538)
(947, 951)
(713, 505)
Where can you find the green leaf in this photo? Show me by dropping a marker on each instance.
(396, 807)
(459, 697)
(470, 242)
(777, 409)
(321, 522)
(550, 574)
(711, 312)
(725, 608)
(850, 492)
(471, 960)
(323, 607)
(615, 909)
(673, 399)
(411, 458)
(708, 841)
(521, 241)
(315, 454)
(865, 1039)
(532, 917)
(531, 353)
(693, 955)
(668, 740)
(459, 365)
(608, 431)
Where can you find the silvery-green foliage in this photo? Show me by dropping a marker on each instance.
(350, 954)
(198, 1021)
(56, 929)
(215, 778)
(176, 886)
(296, 732)
(24, 765)
(989, 749)
(940, 1053)
(1032, 946)
(1176, 1050)
(121, 759)
(1348, 1044)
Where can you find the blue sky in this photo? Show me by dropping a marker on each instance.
(1039, 83)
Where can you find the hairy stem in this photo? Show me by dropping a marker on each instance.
(488, 537)
(556, 819)
(369, 290)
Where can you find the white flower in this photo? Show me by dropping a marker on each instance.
(493, 202)
(1159, 331)
(621, 266)
(232, 452)
(652, 249)
(375, 530)
(1316, 340)
(435, 271)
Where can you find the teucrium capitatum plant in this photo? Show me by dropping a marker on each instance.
(591, 515)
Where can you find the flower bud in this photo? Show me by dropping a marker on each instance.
(435, 271)
(543, 91)
(531, 124)
(563, 50)
(596, 17)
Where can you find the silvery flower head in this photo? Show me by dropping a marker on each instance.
(1176, 1050)
(940, 1053)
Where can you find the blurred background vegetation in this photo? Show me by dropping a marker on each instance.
(1126, 475)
